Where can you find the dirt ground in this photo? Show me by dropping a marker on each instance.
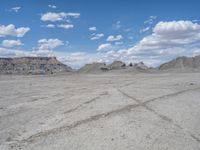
(110, 111)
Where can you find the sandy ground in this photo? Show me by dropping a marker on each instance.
(159, 111)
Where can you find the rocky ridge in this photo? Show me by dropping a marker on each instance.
(32, 65)
(182, 63)
(114, 66)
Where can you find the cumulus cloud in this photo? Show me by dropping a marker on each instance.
(49, 44)
(11, 43)
(168, 35)
(112, 38)
(46, 47)
(15, 9)
(104, 47)
(52, 6)
(10, 30)
(92, 28)
(53, 16)
(97, 36)
(63, 18)
(178, 30)
(65, 26)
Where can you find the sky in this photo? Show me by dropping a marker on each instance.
(83, 31)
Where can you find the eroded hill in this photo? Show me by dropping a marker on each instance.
(32, 65)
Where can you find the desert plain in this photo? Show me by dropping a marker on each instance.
(107, 111)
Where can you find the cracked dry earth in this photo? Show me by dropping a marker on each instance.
(159, 111)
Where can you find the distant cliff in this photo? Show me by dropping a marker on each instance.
(32, 65)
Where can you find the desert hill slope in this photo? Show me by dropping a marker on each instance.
(92, 68)
(182, 63)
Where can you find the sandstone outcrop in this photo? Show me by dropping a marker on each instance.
(32, 65)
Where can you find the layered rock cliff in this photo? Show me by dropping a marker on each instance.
(32, 65)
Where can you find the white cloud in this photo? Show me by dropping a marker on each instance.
(7, 52)
(50, 26)
(65, 26)
(148, 23)
(11, 43)
(150, 20)
(171, 34)
(97, 36)
(46, 47)
(92, 28)
(53, 17)
(52, 6)
(77, 59)
(178, 30)
(74, 15)
(112, 38)
(10, 30)
(104, 47)
(168, 40)
(15, 9)
(49, 44)
(62, 17)
(145, 29)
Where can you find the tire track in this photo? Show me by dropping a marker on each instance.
(87, 102)
(171, 95)
(77, 123)
(123, 109)
(163, 117)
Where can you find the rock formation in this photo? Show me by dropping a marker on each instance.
(141, 66)
(182, 63)
(117, 65)
(32, 65)
(93, 68)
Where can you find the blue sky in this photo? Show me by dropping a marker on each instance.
(80, 32)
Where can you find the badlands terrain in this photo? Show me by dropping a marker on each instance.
(121, 109)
